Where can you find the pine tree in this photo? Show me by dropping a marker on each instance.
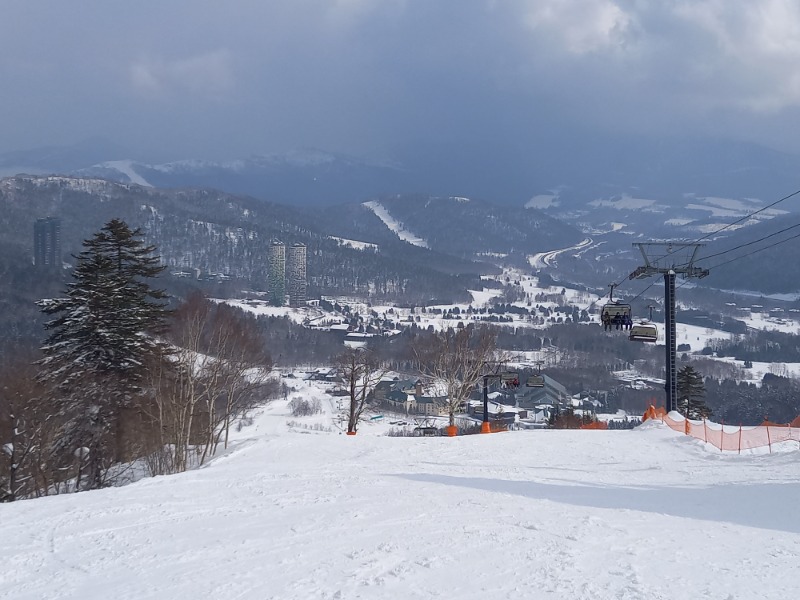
(135, 262)
(691, 391)
(98, 348)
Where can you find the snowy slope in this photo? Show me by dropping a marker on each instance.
(126, 167)
(394, 225)
(295, 513)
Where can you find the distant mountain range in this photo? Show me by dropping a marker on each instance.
(464, 202)
(595, 167)
(298, 178)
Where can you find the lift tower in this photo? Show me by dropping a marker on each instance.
(669, 259)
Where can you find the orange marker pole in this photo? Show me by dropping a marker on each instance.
(740, 438)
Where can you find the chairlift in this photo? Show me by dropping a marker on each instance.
(509, 380)
(536, 381)
(614, 308)
(643, 332)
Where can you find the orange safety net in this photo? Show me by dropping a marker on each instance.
(595, 425)
(734, 438)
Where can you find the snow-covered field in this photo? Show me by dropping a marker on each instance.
(298, 511)
(262, 308)
(354, 243)
(627, 202)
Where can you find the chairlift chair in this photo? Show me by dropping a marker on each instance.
(536, 381)
(509, 380)
(643, 332)
(613, 308)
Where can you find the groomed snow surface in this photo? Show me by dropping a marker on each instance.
(296, 510)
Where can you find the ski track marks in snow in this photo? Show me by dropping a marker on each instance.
(638, 515)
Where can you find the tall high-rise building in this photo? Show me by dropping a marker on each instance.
(47, 243)
(296, 274)
(276, 276)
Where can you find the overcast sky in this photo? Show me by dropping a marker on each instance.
(207, 79)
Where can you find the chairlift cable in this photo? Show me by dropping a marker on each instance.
(748, 216)
(720, 230)
(736, 222)
(756, 250)
(644, 290)
(766, 237)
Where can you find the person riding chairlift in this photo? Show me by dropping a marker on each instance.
(617, 321)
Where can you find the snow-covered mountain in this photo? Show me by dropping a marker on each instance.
(613, 190)
(60, 159)
(473, 228)
(594, 167)
(307, 177)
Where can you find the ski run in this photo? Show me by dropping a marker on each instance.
(296, 510)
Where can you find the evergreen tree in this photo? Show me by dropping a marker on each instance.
(691, 393)
(98, 347)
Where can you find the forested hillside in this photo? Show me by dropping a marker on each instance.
(214, 232)
(473, 228)
(755, 258)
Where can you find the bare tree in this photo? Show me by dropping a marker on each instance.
(28, 431)
(453, 361)
(218, 371)
(361, 371)
(237, 374)
(178, 387)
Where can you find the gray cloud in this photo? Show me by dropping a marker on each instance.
(209, 79)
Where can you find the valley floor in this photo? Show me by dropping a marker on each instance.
(293, 513)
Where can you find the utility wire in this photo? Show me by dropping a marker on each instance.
(717, 231)
(756, 250)
(644, 290)
(736, 222)
(749, 216)
(766, 237)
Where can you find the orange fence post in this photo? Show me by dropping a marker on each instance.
(769, 441)
(705, 431)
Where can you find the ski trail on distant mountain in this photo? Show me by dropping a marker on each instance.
(126, 168)
(394, 225)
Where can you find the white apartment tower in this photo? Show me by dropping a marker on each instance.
(276, 276)
(296, 281)
(47, 243)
